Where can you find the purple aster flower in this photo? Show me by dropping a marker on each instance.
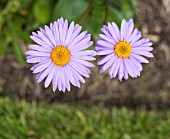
(122, 50)
(60, 55)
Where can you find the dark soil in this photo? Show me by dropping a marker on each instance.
(150, 90)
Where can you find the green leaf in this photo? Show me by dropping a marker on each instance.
(3, 47)
(69, 9)
(17, 51)
(41, 11)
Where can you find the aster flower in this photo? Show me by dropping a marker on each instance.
(60, 55)
(123, 50)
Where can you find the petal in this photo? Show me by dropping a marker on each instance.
(44, 73)
(107, 39)
(107, 65)
(130, 28)
(128, 67)
(84, 53)
(142, 48)
(37, 53)
(77, 39)
(45, 39)
(105, 52)
(144, 53)
(104, 44)
(83, 62)
(121, 72)
(49, 77)
(41, 66)
(39, 48)
(114, 35)
(123, 29)
(105, 59)
(139, 58)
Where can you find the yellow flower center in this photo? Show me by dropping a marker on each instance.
(60, 55)
(122, 49)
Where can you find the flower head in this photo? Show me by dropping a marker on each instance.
(122, 50)
(60, 55)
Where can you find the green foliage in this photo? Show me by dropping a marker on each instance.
(19, 119)
(18, 18)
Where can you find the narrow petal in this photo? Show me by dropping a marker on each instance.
(49, 77)
(121, 72)
(105, 59)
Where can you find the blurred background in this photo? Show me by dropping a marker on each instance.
(102, 108)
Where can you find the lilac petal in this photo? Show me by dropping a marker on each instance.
(76, 32)
(73, 80)
(36, 59)
(125, 72)
(104, 44)
(84, 68)
(39, 41)
(107, 39)
(89, 58)
(60, 29)
(36, 35)
(105, 59)
(77, 39)
(44, 73)
(139, 58)
(111, 29)
(105, 31)
(136, 63)
(65, 30)
(49, 77)
(113, 66)
(105, 52)
(45, 39)
(128, 67)
(146, 44)
(69, 33)
(75, 74)
(117, 32)
(116, 67)
(133, 35)
(43, 31)
(56, 33)
(84, 53)
(65, 78)
(123, 29)
(63, 82)
(81, 43)
(136, 38)
(40, 63)
(36, 53)
(135, 69)
(88, 44)
(55, 83)
(39, 48)
(139, 42)
(130, 28)
(144, 53)
(97, 49)
(107, 65)
(59, 80)
(50, 35)
(142, 48)
(43, 65)
(121, 72)
(79, 70)
(83, 62)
